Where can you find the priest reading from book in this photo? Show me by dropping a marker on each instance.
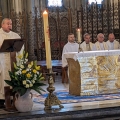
(100, 44)
(112, 43)
(87, 45)
(5, 60)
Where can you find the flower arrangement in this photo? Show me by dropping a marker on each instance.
(26, 75)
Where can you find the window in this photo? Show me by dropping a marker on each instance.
(54, 3)
(94, 1)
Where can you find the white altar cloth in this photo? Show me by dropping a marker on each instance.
(76, 55)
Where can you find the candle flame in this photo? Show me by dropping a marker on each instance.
(78, 29)
(45, 12)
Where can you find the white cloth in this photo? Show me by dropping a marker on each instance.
(5, 62)
(69, 47)
(101, 46)
(84, 46)
(113, 45)
(80, 55)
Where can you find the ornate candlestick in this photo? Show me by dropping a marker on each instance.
(51, 99)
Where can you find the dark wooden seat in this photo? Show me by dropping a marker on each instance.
(9, 99)
(64, 75)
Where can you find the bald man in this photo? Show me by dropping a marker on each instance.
(100, 44)
(5, 60)
(112, 43)
(5, 31)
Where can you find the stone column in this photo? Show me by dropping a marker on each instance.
(28, 22)
(16, 15)
(4, 8)
(17, 6)
(31, 28)
(110, 1)
(42, 5)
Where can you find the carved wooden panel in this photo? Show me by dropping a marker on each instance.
(99, 18)
(64, 26)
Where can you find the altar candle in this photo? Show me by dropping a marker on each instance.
(78, 35)
(47, 40)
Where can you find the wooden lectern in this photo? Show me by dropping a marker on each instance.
(12, 46)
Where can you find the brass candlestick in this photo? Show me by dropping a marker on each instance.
(51, 99)
(79, 49)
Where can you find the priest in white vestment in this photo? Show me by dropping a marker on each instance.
(100, 44)
(5, 62)
(112, 43)
(71, 46)
(87, 45)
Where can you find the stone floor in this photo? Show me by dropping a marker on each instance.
(104, 110)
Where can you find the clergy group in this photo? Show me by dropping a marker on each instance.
(87, 45)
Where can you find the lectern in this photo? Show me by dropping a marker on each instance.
(10, 46)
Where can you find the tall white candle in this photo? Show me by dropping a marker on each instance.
(79, 35)
(47, 40)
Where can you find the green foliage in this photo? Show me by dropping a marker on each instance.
(26, 75)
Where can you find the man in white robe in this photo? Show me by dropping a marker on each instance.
(100, 44)
(71, 46)
(5, 61)
(87, 45)
(112, 43)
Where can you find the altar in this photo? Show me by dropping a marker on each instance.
(94, 72)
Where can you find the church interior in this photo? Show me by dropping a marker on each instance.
(64, 17)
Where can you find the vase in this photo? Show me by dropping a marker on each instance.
(24, 103)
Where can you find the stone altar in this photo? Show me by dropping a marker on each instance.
(94, 72)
